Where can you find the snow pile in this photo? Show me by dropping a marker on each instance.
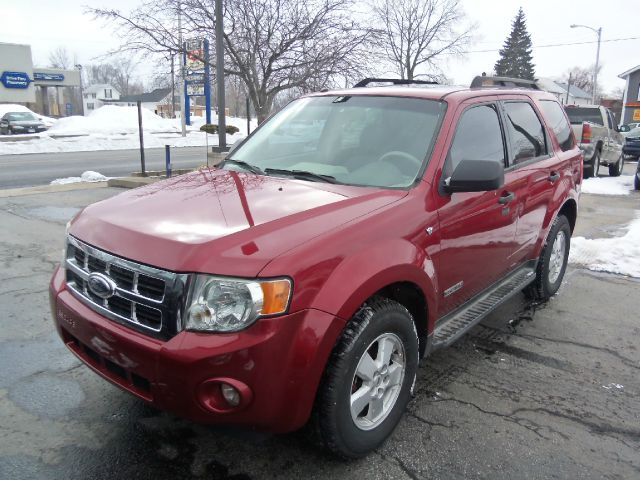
(12, 107)
(88, 176)
(621, 185)
(112, 120)
(615, 255)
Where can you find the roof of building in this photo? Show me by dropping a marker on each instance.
(154, 96)
(550, 85)
(575, 91)
(629, 72)
(98, 86)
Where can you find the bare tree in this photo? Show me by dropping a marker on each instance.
(119, 73)
(581, 77)
(271, 45)
(416, 34)
(60, 58)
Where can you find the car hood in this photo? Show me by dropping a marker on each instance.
(221, 222)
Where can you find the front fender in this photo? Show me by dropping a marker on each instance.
(359, 276)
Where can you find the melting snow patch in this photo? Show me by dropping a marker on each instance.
(615, 255)
(611, 386)
(621, 185)
(88, 176)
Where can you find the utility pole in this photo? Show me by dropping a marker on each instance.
(79, 67)
(222, 133)
(566, 102)
(183, 120)
(595, 70)
(173, 86)
(598, 32)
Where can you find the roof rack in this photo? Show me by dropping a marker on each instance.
(484, 81)
(395, 81)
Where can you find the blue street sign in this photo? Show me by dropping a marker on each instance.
(15, 80)
(68, 109)
(48, 77)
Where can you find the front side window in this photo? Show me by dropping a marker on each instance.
(356, 140)
(525, 131)
(478, 137)
(556, 120)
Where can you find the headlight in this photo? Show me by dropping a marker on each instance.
(227, 305)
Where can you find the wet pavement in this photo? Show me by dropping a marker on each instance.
(536, 391)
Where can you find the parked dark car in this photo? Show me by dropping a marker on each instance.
(631, 146)
(20, 122)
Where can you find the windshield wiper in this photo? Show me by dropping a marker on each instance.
(301, 174)
(241, 164)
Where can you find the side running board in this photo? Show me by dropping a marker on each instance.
(453, 326)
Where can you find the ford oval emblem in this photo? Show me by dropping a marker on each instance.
(101, 285)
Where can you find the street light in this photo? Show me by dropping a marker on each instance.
(79, 67)
(598, 32)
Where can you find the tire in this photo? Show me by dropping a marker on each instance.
(636, 181)
(593, 167)
(616, 169)
(379, 321)
(549, 273)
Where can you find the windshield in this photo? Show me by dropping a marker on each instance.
(579, 115)
(21, 117)
(356, 140)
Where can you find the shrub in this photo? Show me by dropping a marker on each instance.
(213, 128)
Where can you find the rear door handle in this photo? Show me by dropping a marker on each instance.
(554, 177)
(506, 198)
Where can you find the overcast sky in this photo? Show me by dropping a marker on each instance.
(47, 24)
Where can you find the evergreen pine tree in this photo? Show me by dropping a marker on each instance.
(515, 57)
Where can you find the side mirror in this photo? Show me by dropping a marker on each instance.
(623, 128)
(476, 176)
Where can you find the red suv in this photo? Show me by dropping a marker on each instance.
(352, 234)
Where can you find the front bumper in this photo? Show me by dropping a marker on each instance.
(632, 150)
(280, 360)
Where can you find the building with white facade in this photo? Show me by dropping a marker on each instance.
(95, 96)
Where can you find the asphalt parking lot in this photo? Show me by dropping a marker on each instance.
(536, 391)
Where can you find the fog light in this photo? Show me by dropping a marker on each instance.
(230, 394)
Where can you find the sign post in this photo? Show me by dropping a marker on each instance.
(197, 72)
(144, 173)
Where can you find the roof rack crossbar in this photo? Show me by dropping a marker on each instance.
(396, 81)
(484, 81)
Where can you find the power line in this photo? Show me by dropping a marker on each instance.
(555, 45)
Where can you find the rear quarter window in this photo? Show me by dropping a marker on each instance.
(557, 122)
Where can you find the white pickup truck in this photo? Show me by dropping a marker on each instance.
(598, 137)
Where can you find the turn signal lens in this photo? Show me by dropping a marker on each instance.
(276, 295)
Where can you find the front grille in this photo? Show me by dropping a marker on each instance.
(142, 297)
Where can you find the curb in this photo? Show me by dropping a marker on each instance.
(132, 182)
(41, 189)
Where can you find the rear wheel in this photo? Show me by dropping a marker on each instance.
(369, 379)
(636, 181)
(553, 261)
(616, 169)
(593, 167)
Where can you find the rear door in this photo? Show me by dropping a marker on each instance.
(543, 169)
(477, 229)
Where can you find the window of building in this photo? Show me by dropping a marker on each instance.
(93, 95)
(90, 106)
(526, 132)
(557, 121)
(107, 93)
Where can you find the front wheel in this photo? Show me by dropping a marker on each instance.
(369, 379)
(552, 262)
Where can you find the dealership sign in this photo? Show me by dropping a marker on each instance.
(48, 77)
(15, 80)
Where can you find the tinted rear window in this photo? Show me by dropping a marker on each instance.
(558, 123)
(580, 114)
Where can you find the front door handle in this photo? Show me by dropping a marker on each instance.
(506, 198)
(554, 177)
